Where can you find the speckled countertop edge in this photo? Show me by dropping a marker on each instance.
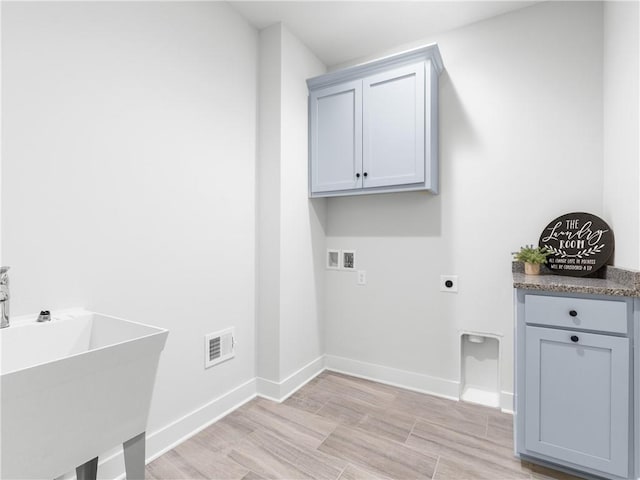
(616, 281)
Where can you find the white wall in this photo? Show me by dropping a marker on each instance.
(302, 232)
(128, 186)
(268, 207)
(621, 127)
(520, 143)
(291, 234)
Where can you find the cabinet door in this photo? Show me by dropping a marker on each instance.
(393, 125)
(577, 398)
(335, 126)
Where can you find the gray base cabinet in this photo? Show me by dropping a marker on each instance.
(574, 384)
(373, 128)
(577, 398)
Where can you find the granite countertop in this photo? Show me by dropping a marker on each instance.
(615, 281)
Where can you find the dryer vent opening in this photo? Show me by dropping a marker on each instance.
(480, 369)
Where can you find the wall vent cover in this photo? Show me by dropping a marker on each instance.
(219, 346)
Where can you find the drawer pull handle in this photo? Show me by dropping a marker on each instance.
(574, 338)
(573, 313)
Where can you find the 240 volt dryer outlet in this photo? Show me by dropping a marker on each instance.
(449, 283)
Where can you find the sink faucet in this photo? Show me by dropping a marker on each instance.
(4, 297)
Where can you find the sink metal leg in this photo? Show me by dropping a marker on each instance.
(88, 470)
(134, 457)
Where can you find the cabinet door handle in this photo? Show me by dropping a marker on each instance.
(574, 338)
(573, 313)
(365, 174)
(357, 175)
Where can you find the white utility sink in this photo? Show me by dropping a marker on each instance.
(73, 388)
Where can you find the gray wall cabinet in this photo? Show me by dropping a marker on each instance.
(335, 137)
(574, 382)
(373, 128)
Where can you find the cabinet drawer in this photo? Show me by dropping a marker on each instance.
(576, 313)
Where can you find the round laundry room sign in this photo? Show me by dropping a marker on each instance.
(580, 243)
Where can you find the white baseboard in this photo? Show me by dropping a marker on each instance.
(166, 438)
(280, 391)
(392, 376)
(506, 401)
(268, 389)
(418, 382)
(178, 431)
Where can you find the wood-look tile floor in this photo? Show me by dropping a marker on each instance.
(343, 428)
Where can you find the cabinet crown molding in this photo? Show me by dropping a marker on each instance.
(429, 52)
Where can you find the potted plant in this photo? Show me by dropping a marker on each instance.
(532, 257)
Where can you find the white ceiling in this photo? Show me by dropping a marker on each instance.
(341, 31)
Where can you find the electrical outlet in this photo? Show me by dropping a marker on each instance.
(362, 277)
(449, 283)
